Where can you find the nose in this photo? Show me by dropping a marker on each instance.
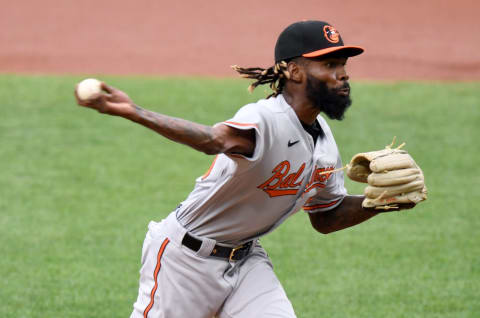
(342, 74)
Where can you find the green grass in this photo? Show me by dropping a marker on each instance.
(79, 188)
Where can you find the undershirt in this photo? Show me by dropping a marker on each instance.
(315, 130)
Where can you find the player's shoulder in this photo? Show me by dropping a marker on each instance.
(265, 106)
(261, 109)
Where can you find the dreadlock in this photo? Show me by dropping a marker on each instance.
(275, 75)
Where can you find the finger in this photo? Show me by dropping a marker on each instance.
(394, 177)
(375, 192)
(392, 162)
(107, 88)
(97, 102)
(109, 97)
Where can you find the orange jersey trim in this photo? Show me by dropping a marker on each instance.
(210, 169)
(241, 124)
(316, 185)
(155, 276)
(277, 193)
(319, 206)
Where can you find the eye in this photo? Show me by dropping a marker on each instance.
(331, 64)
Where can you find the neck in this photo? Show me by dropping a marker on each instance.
(302, 106)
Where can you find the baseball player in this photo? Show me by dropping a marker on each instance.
(273, 158)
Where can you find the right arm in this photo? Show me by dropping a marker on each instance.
(210, 140)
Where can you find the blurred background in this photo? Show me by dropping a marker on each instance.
(412, 39)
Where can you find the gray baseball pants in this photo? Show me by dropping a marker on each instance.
(178, 282)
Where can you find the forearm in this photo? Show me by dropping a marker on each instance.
(197, 136)
(349, 213)
(210, 140)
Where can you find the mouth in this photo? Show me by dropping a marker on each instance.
(343, 91)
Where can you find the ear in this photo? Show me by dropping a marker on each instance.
(297, 71)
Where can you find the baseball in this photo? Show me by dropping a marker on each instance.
(88, 88)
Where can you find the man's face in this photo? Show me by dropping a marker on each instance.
(327, 86)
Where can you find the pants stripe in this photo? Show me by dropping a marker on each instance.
(155, 276)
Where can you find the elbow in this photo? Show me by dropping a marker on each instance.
(323, 230)
(320, 224)
(213, 146)
(211, 151)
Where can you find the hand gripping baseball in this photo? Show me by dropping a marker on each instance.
(393, 178)
(103, 98)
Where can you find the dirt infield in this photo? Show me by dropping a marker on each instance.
(423, 39)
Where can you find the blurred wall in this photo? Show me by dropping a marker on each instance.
(403, 39)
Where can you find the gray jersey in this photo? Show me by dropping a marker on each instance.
(241, 198)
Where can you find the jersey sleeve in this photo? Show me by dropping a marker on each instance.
(250, 117)
(330, 194)
(329, 197)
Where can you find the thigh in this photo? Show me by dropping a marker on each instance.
(258, 292)
(174, 282)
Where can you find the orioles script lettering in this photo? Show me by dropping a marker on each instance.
(282, 182)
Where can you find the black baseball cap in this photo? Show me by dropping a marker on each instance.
(311, 39)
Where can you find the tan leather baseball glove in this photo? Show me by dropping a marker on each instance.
(392, 175)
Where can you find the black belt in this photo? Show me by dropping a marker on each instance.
(235, 254)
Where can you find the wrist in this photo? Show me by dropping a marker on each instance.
(125, 110)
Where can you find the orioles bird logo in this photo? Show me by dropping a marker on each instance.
(331, 34)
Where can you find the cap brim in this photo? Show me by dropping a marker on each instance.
(348, 50)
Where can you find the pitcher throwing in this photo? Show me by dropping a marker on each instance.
(273, 158)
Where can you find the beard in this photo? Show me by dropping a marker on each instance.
(327, 100)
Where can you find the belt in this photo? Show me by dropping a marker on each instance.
(232, 254)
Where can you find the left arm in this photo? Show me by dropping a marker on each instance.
(349, 213)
